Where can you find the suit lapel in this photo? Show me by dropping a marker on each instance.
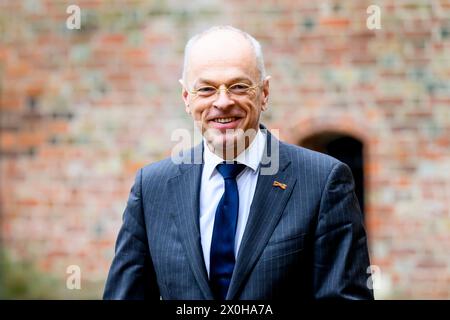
(185, 188)
(265, 211)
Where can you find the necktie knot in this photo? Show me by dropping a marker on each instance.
(230, 170)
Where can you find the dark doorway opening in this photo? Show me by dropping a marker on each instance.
(344, 148)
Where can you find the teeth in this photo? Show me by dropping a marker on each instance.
(224, 120)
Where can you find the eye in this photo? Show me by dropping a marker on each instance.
(206, 90)
(239, 88)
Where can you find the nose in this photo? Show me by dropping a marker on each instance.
(223, 99)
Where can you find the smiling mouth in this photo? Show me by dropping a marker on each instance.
(225, 120)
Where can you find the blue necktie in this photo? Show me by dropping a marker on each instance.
(222, 245)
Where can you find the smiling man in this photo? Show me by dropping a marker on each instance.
(225, 89)
(222, 227)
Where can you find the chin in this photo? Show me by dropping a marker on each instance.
(227, 143)
(224, 140)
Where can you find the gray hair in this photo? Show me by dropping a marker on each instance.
(253, 42)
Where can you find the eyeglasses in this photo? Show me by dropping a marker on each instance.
(236, 89)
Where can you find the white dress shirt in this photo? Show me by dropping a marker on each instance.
(213, 186)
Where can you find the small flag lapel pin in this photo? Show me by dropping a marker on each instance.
(279, 184)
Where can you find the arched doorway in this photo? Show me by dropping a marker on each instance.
(344, 148)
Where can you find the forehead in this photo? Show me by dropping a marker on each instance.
(221, 56)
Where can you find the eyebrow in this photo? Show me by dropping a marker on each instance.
(232, 80)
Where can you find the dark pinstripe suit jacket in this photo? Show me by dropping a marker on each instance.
(304, 242)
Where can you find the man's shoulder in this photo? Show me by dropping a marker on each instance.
(159, 169)
(308, 159)
(309, 165)
(301, 153)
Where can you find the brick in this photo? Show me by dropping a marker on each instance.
(82, 111)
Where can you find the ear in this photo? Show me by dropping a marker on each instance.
(185, 96)
(265, 93)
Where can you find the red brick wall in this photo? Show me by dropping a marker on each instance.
(81, 110)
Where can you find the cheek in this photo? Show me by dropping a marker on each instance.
(199, 112)
(253, 110)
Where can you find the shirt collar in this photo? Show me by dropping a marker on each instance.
(251, 156)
